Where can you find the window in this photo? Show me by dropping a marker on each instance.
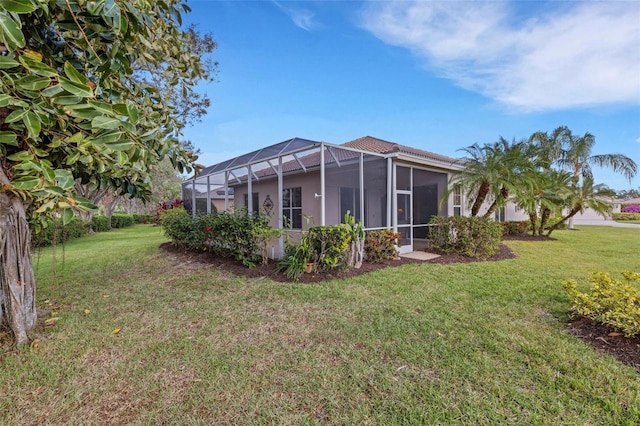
(292, 207)
(501, 214)
(254, 200)
(350, 201)
(457, 201)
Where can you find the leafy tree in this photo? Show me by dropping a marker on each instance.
(70, 108)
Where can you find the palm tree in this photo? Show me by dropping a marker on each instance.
(577, 158)
(492, 172)
(513, 172)
(586, 195)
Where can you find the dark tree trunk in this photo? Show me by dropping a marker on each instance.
(544, 218)
(482, 195)
(533, 218)
(18, 284)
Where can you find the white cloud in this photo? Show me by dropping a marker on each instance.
(579, 55)
(302, 18)
(638, 140)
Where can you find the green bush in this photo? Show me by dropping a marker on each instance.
(56, 233)
(121, 221)
(100, 223)
(329, 246)
(553, 220)
(143, 218)
(515, 227)
(231, 234)
(611, 302)
(468, 236)
(295, 259)
(381, 245)
(625, 216)
(182, 229)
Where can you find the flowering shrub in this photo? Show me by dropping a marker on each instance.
(632, 209)
(167, 205)
(611, 302)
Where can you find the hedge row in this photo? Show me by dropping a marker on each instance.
(625, 216)
(56, 232)
(226, 233)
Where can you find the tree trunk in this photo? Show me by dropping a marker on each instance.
(533, 218)
(544, 218)
(574, 211)
(482, 195)
(504, 194)
(18, 284)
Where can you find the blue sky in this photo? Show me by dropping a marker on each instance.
(438, 76)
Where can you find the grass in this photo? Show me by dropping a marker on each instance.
(478, 343)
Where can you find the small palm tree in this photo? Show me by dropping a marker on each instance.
(492, 172)
(585, 196)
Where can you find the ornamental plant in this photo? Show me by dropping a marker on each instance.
(75, 107)
(612, 302)
(634, 208)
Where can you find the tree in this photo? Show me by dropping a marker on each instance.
(583, 196)
(492, 172)
(71, 109)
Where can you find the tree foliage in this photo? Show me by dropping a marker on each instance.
(71, 109)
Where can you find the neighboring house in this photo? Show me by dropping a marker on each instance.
(631, 202)
(383, 184)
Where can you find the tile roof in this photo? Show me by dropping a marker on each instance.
(371, 144)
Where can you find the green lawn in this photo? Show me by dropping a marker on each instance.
(480, 343)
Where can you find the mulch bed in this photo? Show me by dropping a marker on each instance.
(602, 338)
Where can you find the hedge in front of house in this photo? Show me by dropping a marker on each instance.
(467, 236)
(225, 233)
(625, 216)
(329, 246)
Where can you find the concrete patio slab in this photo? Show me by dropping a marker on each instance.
(420, 255)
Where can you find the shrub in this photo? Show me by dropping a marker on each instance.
(626, 216)
(631, 209)
(121, 221)
(296, 257)
(142, 218)
(167, 205)
(182, 229)
(515, 227)
(553, 220)
(468, 236)
(55, 232)
(329, 245)
(611, 302)
(100, 223)
(233, 234)
(381, 245)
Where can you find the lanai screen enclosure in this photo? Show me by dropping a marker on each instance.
(300, 183)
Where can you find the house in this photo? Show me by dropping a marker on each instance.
(302, 183)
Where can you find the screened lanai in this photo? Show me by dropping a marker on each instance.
(299, 183)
